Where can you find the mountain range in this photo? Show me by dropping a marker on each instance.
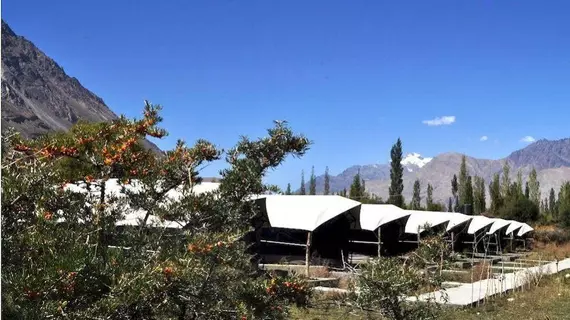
(551, 159)
(39, 97)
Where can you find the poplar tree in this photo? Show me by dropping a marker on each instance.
(534, 187)
(396, 176)
(454, 191)
(506, 182)
(303, 191)
(416, 198)
(495, 193)
(356, 187)
(313, 182)
(327, 182)
(468, 199)
(463, 177)
(429, 197)
(288, 191)
(552, 203)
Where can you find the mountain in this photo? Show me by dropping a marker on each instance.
(550, 158)
(39, 97)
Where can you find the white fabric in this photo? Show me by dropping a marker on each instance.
(513, 227)
(456, 219)
(498, 224)
(524, 229)
(478, 223)
(373, 216)
(419, 219)
(305, 212)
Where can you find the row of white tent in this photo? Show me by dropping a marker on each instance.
(308, 212)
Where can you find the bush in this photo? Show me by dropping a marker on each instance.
(520, 209)
(58, 254)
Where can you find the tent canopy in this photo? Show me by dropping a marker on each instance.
(420, 219)
(373, 216)
(456, 219)
(304, 212)
(525, 228)
(514, 226)
(498, 224)
(478, 223)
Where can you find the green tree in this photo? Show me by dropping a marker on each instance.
(552, 203)
(526, 191)
(564, 204)
(506, 182)
(495, 194)
(520, 190)
(396, 176)
(416, 198)
(303, 191)
(479, 205)
(356, 187)
(450, 205)
(78, 269)
(288, 191)
(463, 177)
(469, 194)
(534, 187)
(313, 182)
(454, 192)
(327, 182)
(429, 197)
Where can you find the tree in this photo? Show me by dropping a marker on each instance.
(396, 176)
(313, 182)
(429, 197)
(564, 204)
(416, 198)
(468, 195)
(327, 182)
(495, 193)
(520, 190)
(552, 203)
(64, 256)
(303, 191)
(454, 192)
(479, 205)
(526, 191)
(288, 191)
(506, 182)
(450, 205)
(356, 187)
(534, 187)
(463, 177)
(520, 209)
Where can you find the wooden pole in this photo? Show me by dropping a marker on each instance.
(452, 242)
(379, 241)
(308, 253)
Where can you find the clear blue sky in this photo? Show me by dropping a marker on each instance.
(351, 75)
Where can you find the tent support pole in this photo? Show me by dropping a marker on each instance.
(308, 253)
(419, 238)
(379, 241)
(452, 242)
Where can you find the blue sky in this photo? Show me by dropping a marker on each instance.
(351, 75)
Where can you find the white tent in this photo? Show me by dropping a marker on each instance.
(514, 226)
(456, 219)
(305, 212)
(373, 216)
(525, 228)
(420, 219)
(478, 223)
(498, 224)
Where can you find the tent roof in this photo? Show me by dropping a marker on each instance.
(456, 219)
(514, 226)
(498, 224)
(305, 212)
(525, 228)
(419, 219)
(478, 223)
(373, 216)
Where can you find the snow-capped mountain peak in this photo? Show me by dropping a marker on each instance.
(415, 159)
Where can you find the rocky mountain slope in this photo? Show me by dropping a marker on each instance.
(38, 96)
(550, 158)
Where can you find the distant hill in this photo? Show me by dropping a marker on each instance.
(550, 158)
(39, 97)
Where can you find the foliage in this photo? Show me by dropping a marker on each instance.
(564, 204)
(288, 190)
(429, 197)
(463, 181)
(384, 282)
(519, 208)
(356, 190)
(534, 187)
(327, 187)
(506, 182)
(479, 197)
(495, 193)
(302, 190)
(395, 196)
(64, 257)
(416, 198)
(313, 182)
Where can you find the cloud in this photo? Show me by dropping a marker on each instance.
(440, 121)
(484, 138)
(528, 139)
